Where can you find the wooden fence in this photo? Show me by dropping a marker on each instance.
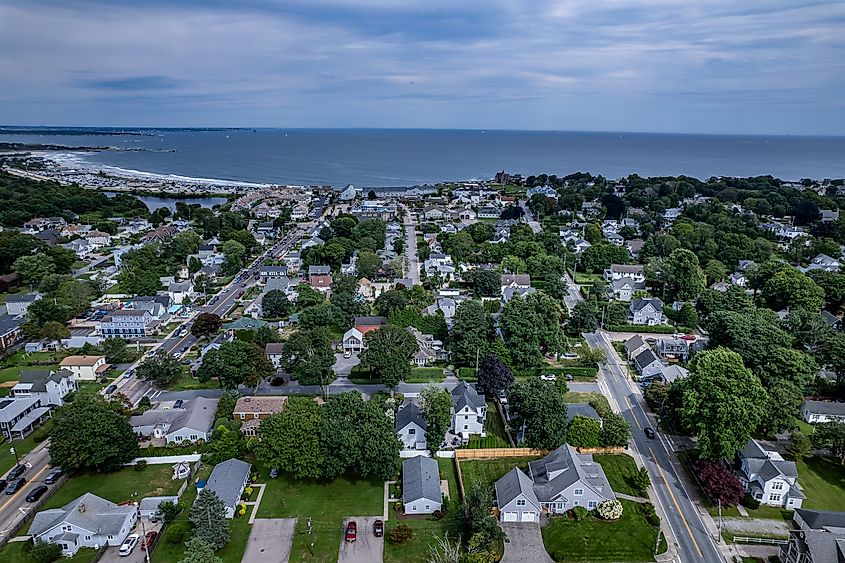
(492, 453)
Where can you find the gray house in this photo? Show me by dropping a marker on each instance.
(647, 364)
(228, 481)
(634, 345)
(410, 426)
(583, 410)
(192, 422)
(469, 411)
(18, 303)
(421, 485)
(647, 312)
(558, 482)
(819, 537)
(88, 521)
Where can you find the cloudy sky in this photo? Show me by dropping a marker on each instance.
(750, 66)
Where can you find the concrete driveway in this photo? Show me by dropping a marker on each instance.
(138, 555)
(367, 548)
(343, 366)
(270, 540)
(524, 543)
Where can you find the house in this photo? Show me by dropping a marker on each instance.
(646, 312)
(228, 481)
(819, 537)
(823, 262)
(127, 324)
(322, 284)
(634, 272)
(433, 213)
(293, 260)
(10, 331)
(18, 303)
(634, 345)
(80, 247)
(514, 281)
(319, 271)
(647, 363)
(671, 373)
(832, 320)
(179, 292)
(410, 426)
(829, 215)
(421, 485)
(469, 411)
(673, 348)
(157, 305)
(49, 386)
(556, 483)
(252, 410)
(20, 416)
(623, 289)
(671, 214)
(768, 477)
(162, 234)
(488, 213)
(429, 348)
(191, 422)
(274, 353)
(634, 246)
(97, 239)
(583, 410)
(822, 411)
(50, 236)
(87, 521)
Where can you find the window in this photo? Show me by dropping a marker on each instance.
(243, 416)
(775, 497)
(559, 506)
(591, 504)
(412, 431)
(427, 507)
(578, 492)
(777, 486)
(465, 427)
(520, 502)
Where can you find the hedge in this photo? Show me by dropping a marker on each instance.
(658, 329)
(576, 372)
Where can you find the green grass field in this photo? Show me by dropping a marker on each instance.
(496, 437)
(823, 480)
(20, 362)
(17, 552)
(620, 470)
(486, 472)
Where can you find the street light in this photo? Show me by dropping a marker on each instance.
(143, 532)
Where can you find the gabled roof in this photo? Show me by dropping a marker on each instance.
(39, 379)
(515, 483)
(563, 468)
(408, 414)
(463, 395)
(226, 480)
(825, 407)
(645, 358)
(819, 519)
(421, 480)
(641, 303)
(273, 348)
(634, 343)
(88, 512)
(581, 409)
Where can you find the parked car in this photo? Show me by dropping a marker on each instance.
(53, 476)
(678, 335)
(378, 528)
(651, 340)
(177, 404)
(128, 545)
(183, 332)
(15, 485)
(569, 377)
(548, 377)
(351, 531)
(570, 356)
(347, 355)
(36, 493)
(16, 472)
(128, 373)
(649, 433)
(3, 483)
(110, 389)
(690, 337)
(149, 540)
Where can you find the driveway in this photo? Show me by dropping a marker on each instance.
(138, 555)
(343, 366)
(270, 540)
(524, 543)
(367, 548)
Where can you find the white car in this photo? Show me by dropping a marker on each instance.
(128, 545)
(548, 377)
(678, 335)
(570, 356)
(347, 355)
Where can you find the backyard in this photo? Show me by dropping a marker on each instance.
(497, 436)
(823, 480)
(326, 502)
(486, 472)
(21, 361)
(620, 470)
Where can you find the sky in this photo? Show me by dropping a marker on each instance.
(695, 66)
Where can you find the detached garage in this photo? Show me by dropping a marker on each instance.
(421, 485)
(517, 501)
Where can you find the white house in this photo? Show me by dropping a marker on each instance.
(274, 353)
(623, 289)
(634, 272)
(191, 422)
(646, 312)
(410, 426)
(18, 303)
(88, 521)
(85, 368)
(49, 386)
(768, 477)
(822, 411)
(180, 291)
(647, 364)
(353, 340)
(421, 485)
(469, 411)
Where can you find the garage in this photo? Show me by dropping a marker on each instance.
(511, 516)
(528, 517)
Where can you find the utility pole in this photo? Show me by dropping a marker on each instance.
(13, 451)
(657, 542)
(719, 539)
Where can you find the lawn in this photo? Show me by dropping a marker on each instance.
(425, 375)
(120, 486)
(486, 472)
(23, 447)
(631, 538)
(326, 502)
(620, 470)
(496, 437)
(21, 362)
(188, 383)
(17, 552)
(823, 480)
(425, 530)
(590, 398)
(165, 551)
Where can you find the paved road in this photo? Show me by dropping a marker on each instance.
(411, 248)
(529, 218)
(14, 508)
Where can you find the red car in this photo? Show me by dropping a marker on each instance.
(689, 337)
(351, 531)
(149, 540)
(378, 528)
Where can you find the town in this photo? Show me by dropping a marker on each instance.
(530, 368)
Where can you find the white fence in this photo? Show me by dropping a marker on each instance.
(161, 460)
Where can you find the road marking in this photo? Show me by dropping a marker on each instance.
(630, 406)
(29, 482)
(674, 500)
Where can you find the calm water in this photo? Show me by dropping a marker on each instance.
(154, 203)
(369, 157)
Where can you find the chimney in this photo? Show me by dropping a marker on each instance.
(246, 399)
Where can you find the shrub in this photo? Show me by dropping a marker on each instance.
(178, 532)
(718, 482)
(400, 534)
(650, 514)
(41, 434)
(579, 513)
(248, 492)
(398, 506)
(169, 511)
(609, 510)
(641, 480)
(43, 552)
(749, 501)
(141, 465)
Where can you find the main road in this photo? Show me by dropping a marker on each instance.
(411, 248)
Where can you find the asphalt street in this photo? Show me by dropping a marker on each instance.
(411, 248)
(14, 508)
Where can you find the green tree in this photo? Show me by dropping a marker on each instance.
(208, 515)
(290, 440)
(54, 330)
(115, 350)
(206, 324)
(198, 550)
(308, 357)
(800, 445)
(688, 316)
(782, 407)
(367, 264)
(715, 271)
(615, 430)
(388, 354)
(234, 254)
(227, 443)
(723, 402)
(275, 304)
(686, 278)
(246, 364)
(486, 283)
(436, 404)
(474, 519)
(583, 318)
(34, 268)
(830, 436)
(161, 369)
(539, 408)
(194, 265)
(91, 434)
(791, 289)
(583, 432)
(788, 365)
(472, 332)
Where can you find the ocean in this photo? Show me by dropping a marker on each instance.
(391, 157)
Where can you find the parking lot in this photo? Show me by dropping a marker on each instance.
(367, 548)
